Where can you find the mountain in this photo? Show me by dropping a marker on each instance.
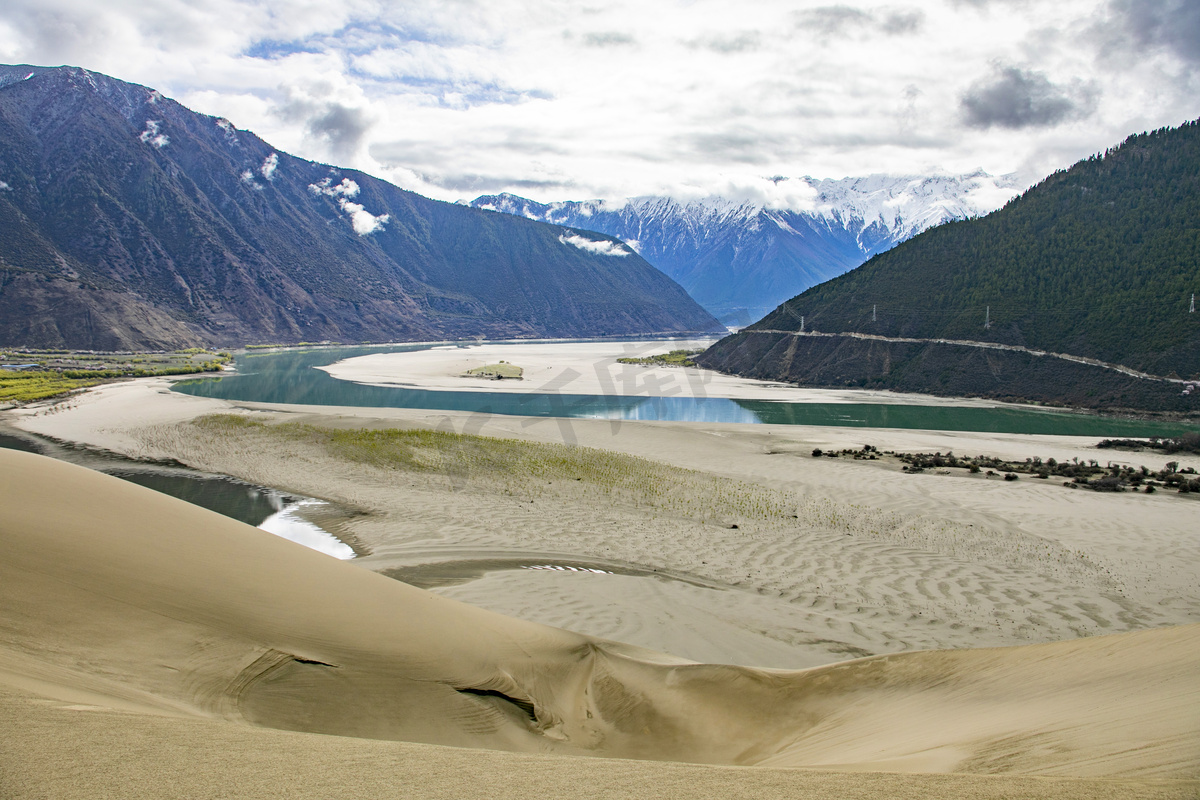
(128, 221)
(1098, 262)
(740, 260)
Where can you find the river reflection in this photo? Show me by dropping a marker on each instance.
(269, 509)
(291, 377)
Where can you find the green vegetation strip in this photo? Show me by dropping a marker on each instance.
(528, 468)
(25, 387)
(675, 358)
(58, 372)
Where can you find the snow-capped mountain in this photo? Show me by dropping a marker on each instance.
(741, 259)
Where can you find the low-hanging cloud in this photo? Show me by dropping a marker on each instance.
(269, 165)
(1016, 98)
(362, 221)
(151, 135)
(600, 248)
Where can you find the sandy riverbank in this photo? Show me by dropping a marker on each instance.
(592, 368)
(874, 562)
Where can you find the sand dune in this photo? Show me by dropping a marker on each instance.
(117, 597)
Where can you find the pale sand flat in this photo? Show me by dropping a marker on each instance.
(118, 597)
(592, 368)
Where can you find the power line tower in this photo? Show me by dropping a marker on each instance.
(987, 319)
(1192, 310)
(802, 323)
(873, 309)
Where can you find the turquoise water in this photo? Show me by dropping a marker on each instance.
(269, 509)
(291, 377)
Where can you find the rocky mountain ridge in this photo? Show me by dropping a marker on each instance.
(128, 221)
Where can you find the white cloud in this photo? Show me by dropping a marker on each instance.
(600, 248)
(347, 188)
(554, 100)
(363, 221)
(4, 187)
(247, 177)
(152, 137)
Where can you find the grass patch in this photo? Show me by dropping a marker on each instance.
(59, 372)
(25, 387)
(675, 358)
(530, 469)
(501, 371)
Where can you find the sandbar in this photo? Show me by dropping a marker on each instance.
(592, 368)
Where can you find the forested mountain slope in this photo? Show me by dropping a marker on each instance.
(128, 221)
(1100, 260)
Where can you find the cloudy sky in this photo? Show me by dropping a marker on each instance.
(555, 99)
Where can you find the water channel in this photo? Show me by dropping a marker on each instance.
(269, 509)
(291, 377)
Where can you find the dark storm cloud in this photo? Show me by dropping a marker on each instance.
(1019, 98)
(1172, 25)
(343, 127)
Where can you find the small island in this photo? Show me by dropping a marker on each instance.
(496, 372)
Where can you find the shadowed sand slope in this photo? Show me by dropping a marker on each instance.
(119, 755)
(118, 597)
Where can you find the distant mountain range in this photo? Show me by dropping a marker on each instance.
(740, 259)
(128, 221)
(1099, 262)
